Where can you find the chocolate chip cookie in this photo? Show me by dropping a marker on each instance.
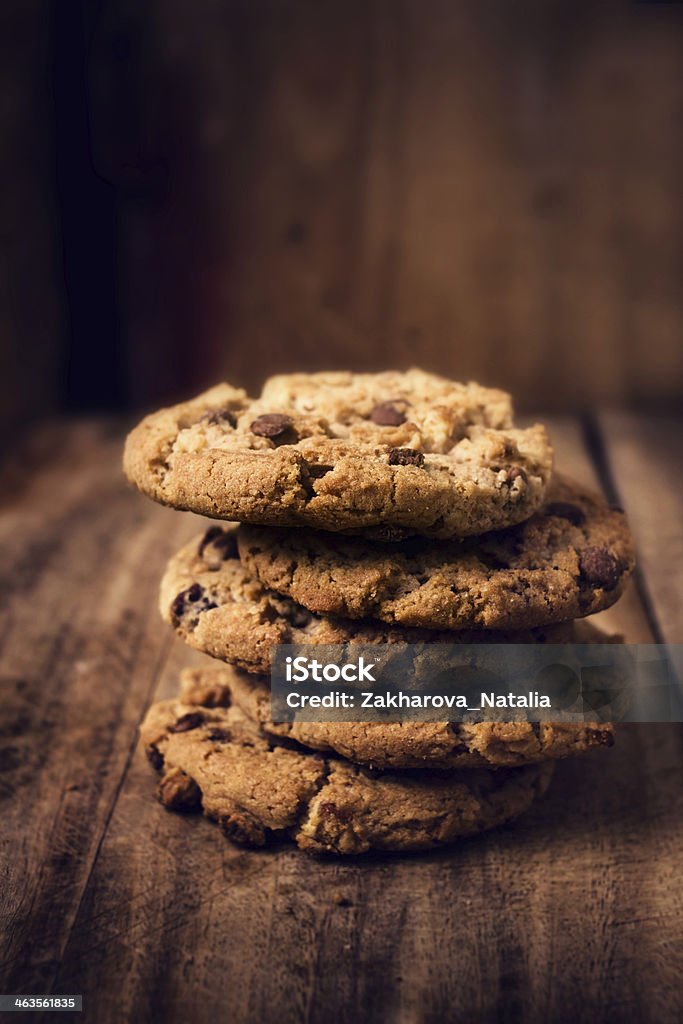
(216, 606)
(434, 745)
(216, 760)
(569, 560)
(390, 452)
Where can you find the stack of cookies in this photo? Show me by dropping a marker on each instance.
(374, 508)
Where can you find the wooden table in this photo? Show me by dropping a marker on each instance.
(575, 913)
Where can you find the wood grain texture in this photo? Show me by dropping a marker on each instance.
(645, 455)
(80, 647)
(571, 914)
(488, 190)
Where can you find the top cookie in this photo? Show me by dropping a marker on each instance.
(571, 559)
(346, 452)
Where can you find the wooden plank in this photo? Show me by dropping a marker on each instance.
(645, 454)
(571, 914)
(80, 647)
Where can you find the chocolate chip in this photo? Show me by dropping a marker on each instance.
(154, 757)
(330, 810)
(273, 425)
(224, 540)
(220, 736)
(406, 457)
(178, 607)
(212, 696)
(192, 720)
(604, 737)
(219, 416)
(227, 545)
(565, 510)
(387, 415)
(195, 596)
(212, 536)
(599, 567)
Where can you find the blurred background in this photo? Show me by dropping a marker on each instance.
(204, 189)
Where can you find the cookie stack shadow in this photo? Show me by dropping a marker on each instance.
(371, 509)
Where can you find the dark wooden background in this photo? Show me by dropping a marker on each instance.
(232, 187)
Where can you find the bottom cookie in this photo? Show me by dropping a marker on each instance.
(216, 759)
